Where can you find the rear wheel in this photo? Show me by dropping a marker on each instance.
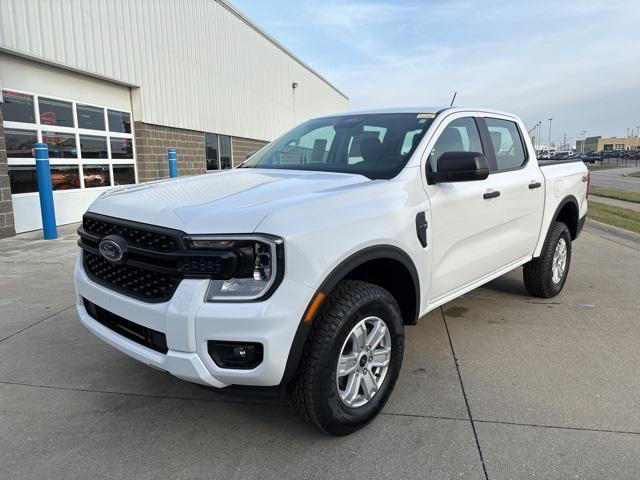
(545, 276)
(351, 359)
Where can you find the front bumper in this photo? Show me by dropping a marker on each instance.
(189, 323)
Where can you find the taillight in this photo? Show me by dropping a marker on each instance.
(588, 183)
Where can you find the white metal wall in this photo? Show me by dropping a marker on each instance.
(199, 65)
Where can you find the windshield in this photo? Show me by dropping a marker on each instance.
(374, 145)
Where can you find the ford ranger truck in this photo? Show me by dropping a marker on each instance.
(300, 269)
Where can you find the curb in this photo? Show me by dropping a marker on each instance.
(615, 234)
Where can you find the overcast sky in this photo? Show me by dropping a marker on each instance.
(577, 61)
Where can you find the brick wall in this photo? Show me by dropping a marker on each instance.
(7, 228)
(152, 142)
(241, 147)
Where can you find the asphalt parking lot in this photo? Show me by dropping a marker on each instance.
(494, 385)
(616, 178)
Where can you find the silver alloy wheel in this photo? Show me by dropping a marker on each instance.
(559, 261)
(364, 361)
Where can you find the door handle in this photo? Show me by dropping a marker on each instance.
(493, 194)
(534, 185)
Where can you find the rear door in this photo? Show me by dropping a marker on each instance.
(517, 211)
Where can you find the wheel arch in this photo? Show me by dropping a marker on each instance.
(384, 265)
(568, 212)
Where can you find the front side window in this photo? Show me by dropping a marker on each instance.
(461, 135)
(506, 143)
(17, 107)
(366, 144)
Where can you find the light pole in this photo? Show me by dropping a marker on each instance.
(539, 126)
(584, 139)
(549, 145)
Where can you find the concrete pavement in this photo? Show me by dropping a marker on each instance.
(494, 385)
(615, 178)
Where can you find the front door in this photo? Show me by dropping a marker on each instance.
(463, 220)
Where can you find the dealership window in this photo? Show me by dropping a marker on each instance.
(61, 145)
(119, 122)
(217, 152)
(65, 177)
(20, 142)
(89, 145)
(89, 117)
(55, 112)
(17, 107)
(124, 174)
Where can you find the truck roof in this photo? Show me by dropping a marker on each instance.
(422, 109)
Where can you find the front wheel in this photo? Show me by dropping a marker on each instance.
(545, 276)
(351, 360)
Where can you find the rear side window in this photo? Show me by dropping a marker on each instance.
(461, 135)
(506, 143)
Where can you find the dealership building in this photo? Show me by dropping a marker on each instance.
(597, 144)
(124, 81)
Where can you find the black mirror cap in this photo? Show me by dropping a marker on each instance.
(459, 167)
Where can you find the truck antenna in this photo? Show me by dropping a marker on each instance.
(453, 99)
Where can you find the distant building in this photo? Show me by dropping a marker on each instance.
(111, 85)
(597, 144)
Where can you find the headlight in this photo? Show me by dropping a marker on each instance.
(260, 266)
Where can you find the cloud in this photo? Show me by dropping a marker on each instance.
(578, 61)
(500, 55)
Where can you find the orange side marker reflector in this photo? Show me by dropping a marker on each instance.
(313, 307)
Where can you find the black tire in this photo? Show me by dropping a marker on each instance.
(313, 392)
(538, 273)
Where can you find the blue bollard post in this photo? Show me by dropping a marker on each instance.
(173, 162)
(47, 209)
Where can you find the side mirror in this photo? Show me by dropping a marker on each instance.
(459, 167)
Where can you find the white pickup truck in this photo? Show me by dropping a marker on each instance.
(300, 269)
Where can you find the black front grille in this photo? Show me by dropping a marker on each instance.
(140, 282)
(135, 236)
(155, 262)
(137, 333)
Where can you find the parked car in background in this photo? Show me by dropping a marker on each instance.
(560, 155)
(610, 153)
(300, 269)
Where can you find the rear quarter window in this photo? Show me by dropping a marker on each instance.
(507, 144)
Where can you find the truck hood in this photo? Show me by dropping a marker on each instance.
(233, 201)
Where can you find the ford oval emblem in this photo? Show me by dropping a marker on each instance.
(111, 250)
